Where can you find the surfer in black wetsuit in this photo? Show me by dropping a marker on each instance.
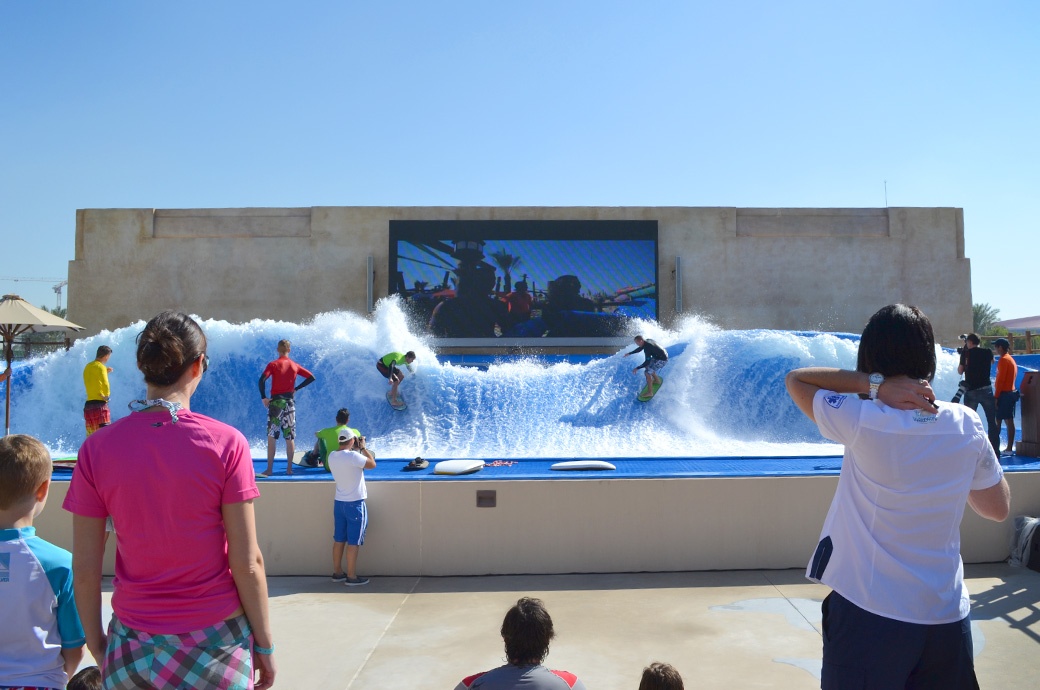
(655, 360)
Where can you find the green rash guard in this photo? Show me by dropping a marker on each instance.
(393, 359)
(330, 439)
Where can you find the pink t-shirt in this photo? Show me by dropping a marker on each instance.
(164, 485)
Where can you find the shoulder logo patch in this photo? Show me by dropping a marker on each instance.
(923, 417)
(835, 400)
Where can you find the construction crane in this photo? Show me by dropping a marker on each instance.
(57, 291)
(57, 287)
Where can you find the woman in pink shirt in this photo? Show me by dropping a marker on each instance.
(189, 576)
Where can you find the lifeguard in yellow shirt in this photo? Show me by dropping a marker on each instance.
(95, 379)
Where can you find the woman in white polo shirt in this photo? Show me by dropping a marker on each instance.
(898, 615)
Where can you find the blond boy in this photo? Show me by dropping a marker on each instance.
(41, 638)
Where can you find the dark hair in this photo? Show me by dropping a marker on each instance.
(527, 630)
(409, 354)
(102, 351)
(167, 346)
(342, 416)
(660, 676)
(898, 340)
(973, 338)
(24, 465)
(87, 679)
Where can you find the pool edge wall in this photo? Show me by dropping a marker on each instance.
(545, 527)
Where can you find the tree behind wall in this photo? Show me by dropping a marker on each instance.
(983, 317)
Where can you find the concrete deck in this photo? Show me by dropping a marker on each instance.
(722, 630)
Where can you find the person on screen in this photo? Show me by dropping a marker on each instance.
(519, 302)
(472, 313)
(568, 314)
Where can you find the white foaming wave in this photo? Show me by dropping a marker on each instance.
(723, 396)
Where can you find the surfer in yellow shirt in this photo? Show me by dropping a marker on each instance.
(95, 379)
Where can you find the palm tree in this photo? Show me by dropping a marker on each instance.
(983, 316)
(507, 262)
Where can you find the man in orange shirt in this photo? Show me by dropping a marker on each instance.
(1004, 389)
(281, 409)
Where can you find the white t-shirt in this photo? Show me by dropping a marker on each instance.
(894, 522)
(348, 469)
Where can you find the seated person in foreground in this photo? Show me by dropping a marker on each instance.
(660, 676)
(526, 631)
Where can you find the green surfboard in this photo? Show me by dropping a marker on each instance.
(645, 395)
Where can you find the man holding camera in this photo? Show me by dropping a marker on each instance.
(976, 363)
(350, 515)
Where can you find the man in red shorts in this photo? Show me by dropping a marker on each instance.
(281, 408)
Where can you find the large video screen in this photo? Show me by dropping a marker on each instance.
(523, 282)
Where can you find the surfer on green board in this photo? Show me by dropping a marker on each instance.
(655, 360)
(389, 365)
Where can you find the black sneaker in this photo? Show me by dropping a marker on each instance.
(356, 581)
(342, 577)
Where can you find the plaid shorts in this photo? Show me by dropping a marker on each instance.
(656, 365)
(96, 415)
(216, 657)
(281, 415)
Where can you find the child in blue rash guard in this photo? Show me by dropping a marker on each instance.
(41, 638)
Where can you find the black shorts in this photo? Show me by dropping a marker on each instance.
(865, 650)
(1006, 404)
(385, 370)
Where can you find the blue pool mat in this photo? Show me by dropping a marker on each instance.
(390, 470)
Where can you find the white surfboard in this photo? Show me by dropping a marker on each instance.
(458, 466)
(582, 465)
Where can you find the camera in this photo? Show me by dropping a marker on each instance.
(964, 339)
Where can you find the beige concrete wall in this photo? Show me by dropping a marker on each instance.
(825, 269)
(567, 526)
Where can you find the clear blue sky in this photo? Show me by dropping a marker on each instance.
(749, 104)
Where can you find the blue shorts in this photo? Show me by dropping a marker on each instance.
(351, 521)
(1006, 404)
(865, 651)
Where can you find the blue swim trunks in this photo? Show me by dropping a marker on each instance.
(351, 521)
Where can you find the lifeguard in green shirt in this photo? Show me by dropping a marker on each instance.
(390, 367)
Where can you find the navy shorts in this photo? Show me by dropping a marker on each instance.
(1006, 404)
(865, 651)
(351, 521)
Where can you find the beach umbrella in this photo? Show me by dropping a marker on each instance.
(18, 317)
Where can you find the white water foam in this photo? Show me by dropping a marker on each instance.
(723, 395)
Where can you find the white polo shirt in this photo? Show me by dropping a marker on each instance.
(348, 469)
(894, 523)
